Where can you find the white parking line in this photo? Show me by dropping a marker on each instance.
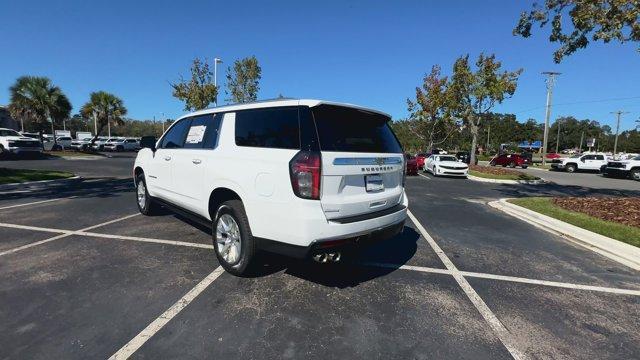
(36, 202)
(515, 279)
(149, 240)
(134, 344)
(552, 283)
(424, 176)
(501, 332)
(63, 235)
(35, 228)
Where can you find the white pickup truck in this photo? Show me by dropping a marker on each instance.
(623, 168)
(590, 161)
(12, 142)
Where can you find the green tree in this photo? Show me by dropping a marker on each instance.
(199, 91)
(603, 20)
(107, 108)
(243, 80)
(475, 93)
(431, 110)
(404, 130)
(35, 99)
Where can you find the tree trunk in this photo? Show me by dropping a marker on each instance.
(474, 142)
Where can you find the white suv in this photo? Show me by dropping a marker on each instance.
(304, 178)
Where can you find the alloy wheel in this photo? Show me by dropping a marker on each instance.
(228, 239)
(142, 194)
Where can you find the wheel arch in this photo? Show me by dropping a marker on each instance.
(136, 172)
(220, 195)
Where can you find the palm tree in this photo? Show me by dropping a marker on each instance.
(36, 99)
(105, 109)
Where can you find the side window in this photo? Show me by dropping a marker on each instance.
(599, 157)
(269, 128)
(174, 139)
(203, 132)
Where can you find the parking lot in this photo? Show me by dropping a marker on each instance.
(83, 275)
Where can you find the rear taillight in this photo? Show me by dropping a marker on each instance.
(305, 169)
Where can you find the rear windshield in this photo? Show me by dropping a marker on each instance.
(353, 130)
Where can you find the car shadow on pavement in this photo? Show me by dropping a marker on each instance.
(81, 188)
(351, 271)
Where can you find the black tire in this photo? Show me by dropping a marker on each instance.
(512, 164)
(634, 174)
(2, 152)
(119, 148)
(244, 265)
(148, 206)
(434, 172)
(570, 168)
(524, 166)
(491, 163)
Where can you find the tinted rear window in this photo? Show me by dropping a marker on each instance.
(269, 128)
(353, 130)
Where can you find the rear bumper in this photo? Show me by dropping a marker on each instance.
(557, 166)
(617, 172)
(298, 230)
(345, 243)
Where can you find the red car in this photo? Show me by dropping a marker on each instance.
(553, 156)
(420, 160)
(510, 160)
(412, 165)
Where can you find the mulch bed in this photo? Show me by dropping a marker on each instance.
(623, 210)
(495, 170)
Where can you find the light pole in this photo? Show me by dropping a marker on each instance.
(162, 120)
(551, 80)
(215, 77)
(95, 123)
(615, 142)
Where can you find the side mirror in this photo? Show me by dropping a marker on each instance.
(148, 142)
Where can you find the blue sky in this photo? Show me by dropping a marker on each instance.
(372, 53)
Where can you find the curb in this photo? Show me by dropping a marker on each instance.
(613, 249)
(11, 186)
(502, 181)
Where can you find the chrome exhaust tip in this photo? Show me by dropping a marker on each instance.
(320, 258)
(327, 257)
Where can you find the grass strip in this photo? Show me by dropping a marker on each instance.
(544, 205)
(8, 176)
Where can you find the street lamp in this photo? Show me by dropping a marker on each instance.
(216, 61)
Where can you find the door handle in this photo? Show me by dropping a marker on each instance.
(167, 158)
(196, 161)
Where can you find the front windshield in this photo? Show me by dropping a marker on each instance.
(636, 158)
(448, 158)
(7, 132)
(575, 156)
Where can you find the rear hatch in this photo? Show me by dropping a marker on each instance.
(362, 161)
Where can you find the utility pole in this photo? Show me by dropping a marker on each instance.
(216, 61)
(163, 121)
(581, 138)
(615, 142)
(558, 136)
(108, 127)
(551, 80)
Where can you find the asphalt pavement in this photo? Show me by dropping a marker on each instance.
(83, 275)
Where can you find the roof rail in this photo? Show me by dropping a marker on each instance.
(252, 102)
